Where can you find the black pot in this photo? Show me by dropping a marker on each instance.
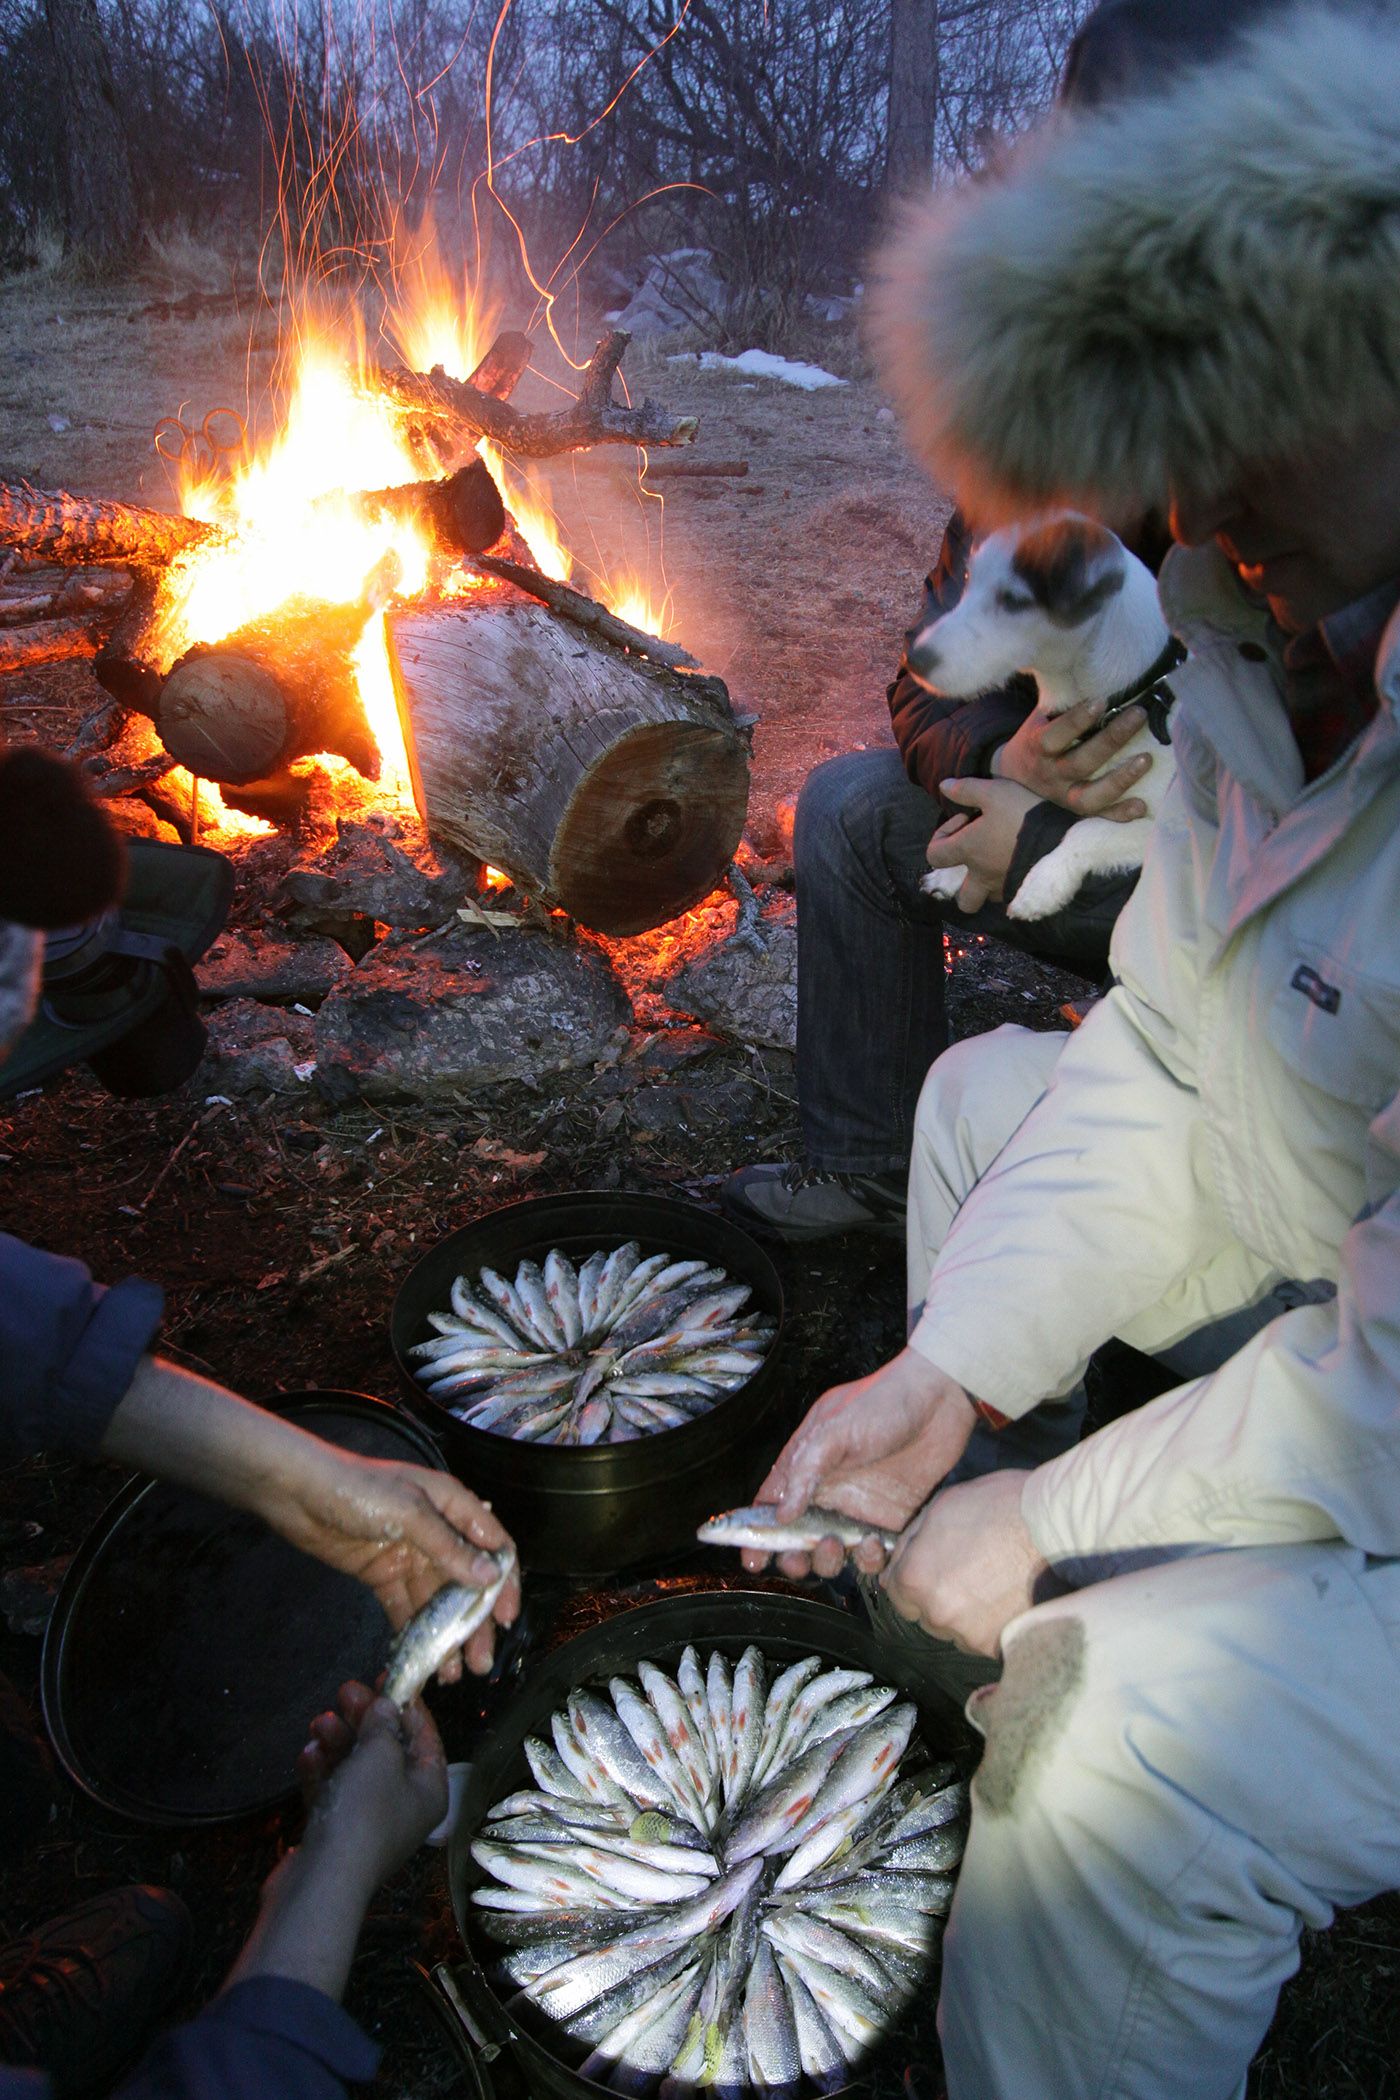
(590, 1511)
(784, 1628)
(189, 1647)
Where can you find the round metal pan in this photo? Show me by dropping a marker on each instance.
(593, 1511)
(784, 1628)
(189, 1646)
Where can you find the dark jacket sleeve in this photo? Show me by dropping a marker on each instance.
(266, 2039)
(68, 1349)
(942, 739)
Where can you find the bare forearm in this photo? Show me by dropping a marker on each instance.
(309, 1923)
(196, 1434)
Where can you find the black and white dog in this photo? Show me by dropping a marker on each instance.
(1064, 600)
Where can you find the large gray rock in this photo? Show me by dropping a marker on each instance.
(367, 874)
(747, 993)
(434, 1019)
(681, 290)
(254, 1049)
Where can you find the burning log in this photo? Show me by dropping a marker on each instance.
(602, 783)
(462, 514)
(594, 418)
(71, 528)
(242, 709)
(125, 665)
(46, 642)
(585, 612)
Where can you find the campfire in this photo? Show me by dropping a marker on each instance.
(370, 607)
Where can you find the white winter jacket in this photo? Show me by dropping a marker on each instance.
(1228, 1117)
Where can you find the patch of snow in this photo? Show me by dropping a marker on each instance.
(765, 366)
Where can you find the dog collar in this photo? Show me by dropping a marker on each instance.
(1150, 692)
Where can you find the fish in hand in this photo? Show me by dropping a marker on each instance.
(761, 1526)
(446, 1622)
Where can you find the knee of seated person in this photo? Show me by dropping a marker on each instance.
(841, 797)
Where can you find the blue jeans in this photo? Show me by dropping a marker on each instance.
(870, 1005)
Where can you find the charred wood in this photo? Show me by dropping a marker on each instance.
(241, 709)
(585, 612)
(593, 419)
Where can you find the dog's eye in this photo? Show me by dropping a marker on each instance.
(1013, 601)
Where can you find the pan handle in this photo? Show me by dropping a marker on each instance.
(470, 2046)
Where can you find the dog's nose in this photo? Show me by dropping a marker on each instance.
(923, 660)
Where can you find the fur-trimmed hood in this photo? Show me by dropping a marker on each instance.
(1152, 295)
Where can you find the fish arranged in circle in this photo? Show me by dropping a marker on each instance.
(734, 1877)
(602, 1352)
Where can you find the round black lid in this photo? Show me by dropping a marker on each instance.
(190, 1646)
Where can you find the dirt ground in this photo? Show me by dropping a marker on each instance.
(280, 1230)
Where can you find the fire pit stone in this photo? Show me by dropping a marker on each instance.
(439, 1016)
(746, 992)
(253, 1047)
(368, 874)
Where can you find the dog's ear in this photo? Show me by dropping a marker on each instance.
(1070, 567)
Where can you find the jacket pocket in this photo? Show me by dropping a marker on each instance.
(1338, 1029)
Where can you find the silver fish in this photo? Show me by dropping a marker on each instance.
(691, 1685)
(813, 1939)
(477, 1314)
(770, 1818)
(602, 1736)
(638, 1284)
(561, 1289)
(810, 1700)
(865, 1767)
(682, 1734)
(509, 1303)
(590, 1275)
(884, 1911)
(822, 2058)
(745, 1725)
(554, 1880)
(552, 1775)
(770, 2037)
(719, 1701)
(621, 1874)
(530, 1283)
(643, 1723)
(581, 1981)
(783, 1690)
(823, 1844)
(646, 2041)
(444, 1624)
(616, 1270)
(717, 1307)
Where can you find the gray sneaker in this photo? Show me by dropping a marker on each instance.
(803, 1203)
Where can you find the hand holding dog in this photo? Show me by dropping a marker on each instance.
(984, 842)
(1047, 756)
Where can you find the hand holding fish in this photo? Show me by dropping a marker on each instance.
(374, 1779)
(404, 1530)
(967, 1565)
(874, 1449)
(376, 1784)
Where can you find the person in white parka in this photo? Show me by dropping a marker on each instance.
(1193, 1751)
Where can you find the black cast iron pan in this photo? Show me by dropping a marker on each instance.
(784, 1628)
(189, 1646)
(592, 1511)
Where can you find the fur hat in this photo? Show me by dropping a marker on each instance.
(1154, 294)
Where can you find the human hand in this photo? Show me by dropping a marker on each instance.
(403, 1530)
(874, 1448)
(984, 843)
(375, 1782)
(967, 1565)
(1045, 755)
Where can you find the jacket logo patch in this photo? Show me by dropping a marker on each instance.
(1306, 980)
